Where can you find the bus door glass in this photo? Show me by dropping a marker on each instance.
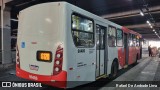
(100, 47)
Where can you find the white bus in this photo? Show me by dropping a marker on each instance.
(59, 43)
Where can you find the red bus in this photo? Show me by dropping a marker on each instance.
(64, 43)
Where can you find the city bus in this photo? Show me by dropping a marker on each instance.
(65, 46)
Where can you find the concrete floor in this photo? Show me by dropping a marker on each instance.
(147, 69)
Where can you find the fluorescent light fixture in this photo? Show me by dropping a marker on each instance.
(142, 14)
(151, 26)
(147, 21)
(153, 29)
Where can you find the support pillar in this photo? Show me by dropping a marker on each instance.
(5, 35)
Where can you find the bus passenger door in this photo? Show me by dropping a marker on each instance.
(100, 53)
(126, 49)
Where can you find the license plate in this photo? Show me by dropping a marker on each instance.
(34, 67)
(44, 56)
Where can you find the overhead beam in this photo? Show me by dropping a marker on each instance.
(137, 26)
(131, 13)
(5, 1)
(149, 34)
(146, 32)
(141, 26)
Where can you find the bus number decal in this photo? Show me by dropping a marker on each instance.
(81, 64)
(81, 50)
(33, 77)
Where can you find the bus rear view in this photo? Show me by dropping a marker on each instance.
(40, 44)
(65, 46)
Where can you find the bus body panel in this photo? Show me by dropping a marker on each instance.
(80, 68)
(112, 51)
(70, 51)
(41, 31)
(131, 55)
(121, 57)
(134, 51)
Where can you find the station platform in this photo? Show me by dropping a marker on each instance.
(146, 71)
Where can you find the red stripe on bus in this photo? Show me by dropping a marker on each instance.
(60, 80)
(121, 56)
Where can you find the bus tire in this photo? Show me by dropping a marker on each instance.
(114, 70)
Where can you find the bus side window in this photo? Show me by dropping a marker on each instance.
(130, 40)
(112, 36)
(119, 37)
(82, 31)
(134, 40)
(76, 40)
(137, 40)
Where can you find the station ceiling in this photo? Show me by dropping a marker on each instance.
(122, 12)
